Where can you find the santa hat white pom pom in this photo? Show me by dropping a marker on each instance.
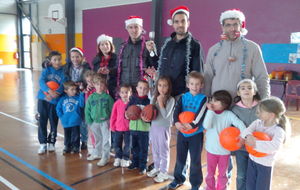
(170, 22)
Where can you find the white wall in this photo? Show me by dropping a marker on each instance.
(45, 26)
(8, 6)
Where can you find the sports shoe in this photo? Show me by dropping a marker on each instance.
(102, 162)
(66, 150)
(83, 146)
(93, 157)
(153, 172)
(174, 185)
(143, 171)
(51, 147)
(161, 177)
(125, 163)
(75, 150)
(42, 149)
(117, 162)
(132, 166)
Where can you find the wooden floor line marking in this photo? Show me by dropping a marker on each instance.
(8, 184)
(26, 122)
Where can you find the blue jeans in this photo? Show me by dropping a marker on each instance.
(72, 137)
(47, 111)
(83, 132)
(259, 177)
(241, 157)
(193, 145)
(140, 144)
(119, 136)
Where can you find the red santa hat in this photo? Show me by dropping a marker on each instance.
(176, 10)
(235, 14)
(134, 20)
(103, 38)
(77, 49)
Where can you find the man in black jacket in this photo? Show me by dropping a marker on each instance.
(181, 53)
(134, 58)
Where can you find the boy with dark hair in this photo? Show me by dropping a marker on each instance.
(47, 100)
(139, 129)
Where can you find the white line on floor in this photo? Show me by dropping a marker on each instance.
(8, 184)
(28, 123)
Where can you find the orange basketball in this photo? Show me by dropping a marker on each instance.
(186, 117)
(229, 138)
(52, 85)
(259, 136)
(149, 112)
(133, 112)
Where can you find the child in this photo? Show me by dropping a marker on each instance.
(47, 100)
(89, 90)
(272, 121)
(69, 110)
(97, 113)
(139, 129)
(245, 109)
(160, 131)
(120, 126)
(195, 102)
(217, 118)
(75, 69)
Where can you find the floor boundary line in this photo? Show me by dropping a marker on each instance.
(8, 184)
(26, 122)
(36, 170)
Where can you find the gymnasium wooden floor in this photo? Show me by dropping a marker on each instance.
(22, 168)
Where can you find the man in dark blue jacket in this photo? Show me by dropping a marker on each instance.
(181, 53)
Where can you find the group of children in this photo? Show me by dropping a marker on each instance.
(95, 109)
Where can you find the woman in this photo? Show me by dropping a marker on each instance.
(105, 62)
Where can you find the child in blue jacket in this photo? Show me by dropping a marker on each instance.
(69, 111)
(47, 100)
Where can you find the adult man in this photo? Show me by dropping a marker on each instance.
(134, 58)
(181, 53)
(234, 58)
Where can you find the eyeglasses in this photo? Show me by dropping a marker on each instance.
(235, 25)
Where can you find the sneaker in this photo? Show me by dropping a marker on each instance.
(75, 150)
(42, 149)
(102, 162)
(143, 171)
(67, 150)
(83, 146)
(51, 147)
(161, 177)
(117, 162)
(153, 172)
(174, 185)
(93, 157)
(125, 163)
(132, 166)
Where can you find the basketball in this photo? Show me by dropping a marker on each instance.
(133, 112)
(259, 136)
(149, 112)
(186, 117)
(52, 85)
(229, 138)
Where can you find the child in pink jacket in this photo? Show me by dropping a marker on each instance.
(120, 126)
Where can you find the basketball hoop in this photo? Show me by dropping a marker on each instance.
(55, 15)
